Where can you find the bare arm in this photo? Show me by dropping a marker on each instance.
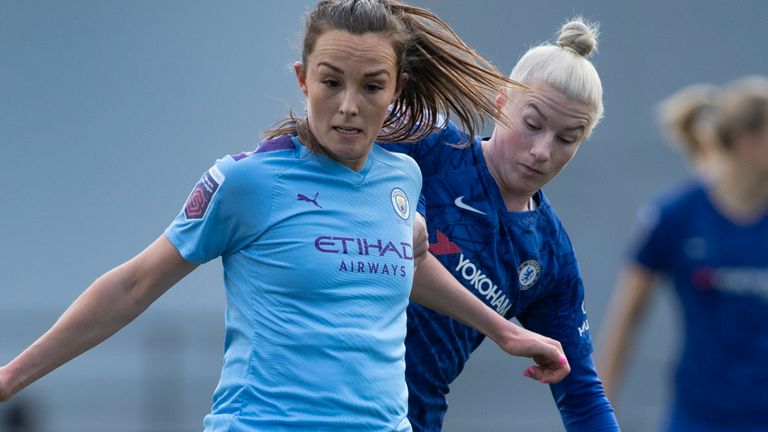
(435, 288)
(626, 310)
(110, 303)
(420, 240)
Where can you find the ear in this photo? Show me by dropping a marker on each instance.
(400, 86)
(301, 76)
(501, 98)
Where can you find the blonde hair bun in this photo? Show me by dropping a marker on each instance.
(580, 36)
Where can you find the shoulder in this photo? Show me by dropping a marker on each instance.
(255, 167)
(400, 161)
(664, 216)
(445, 138)
(446, 135)
(683, 192)
(394, 158)
(679, 200)
(280, 148)
(551, 226)
(546, 211)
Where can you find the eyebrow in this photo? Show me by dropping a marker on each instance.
(575, 128)
(533, 105)
(340, 71)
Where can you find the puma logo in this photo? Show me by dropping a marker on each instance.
(302, 197)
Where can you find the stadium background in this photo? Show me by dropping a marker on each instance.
(110, 111)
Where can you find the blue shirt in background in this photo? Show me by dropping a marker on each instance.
(719, 270)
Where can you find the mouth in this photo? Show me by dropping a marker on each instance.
(347, 131)
(531, 170)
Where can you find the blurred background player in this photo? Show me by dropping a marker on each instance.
(707, 237)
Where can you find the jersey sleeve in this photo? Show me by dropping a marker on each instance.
(221, 215)
(421, 207)
(427, 152)
(650, 245)
(581, 399)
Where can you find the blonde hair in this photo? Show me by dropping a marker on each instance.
(686, 118)
(742, 109)
(565, 66)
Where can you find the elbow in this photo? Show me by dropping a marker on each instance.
(128, 290)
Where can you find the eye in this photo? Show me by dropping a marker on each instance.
(373, 88)
(532, 126)
(331, 83)
(566, 140)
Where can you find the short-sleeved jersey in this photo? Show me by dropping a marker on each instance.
(719, 270)
(521, 264)
(318, 266)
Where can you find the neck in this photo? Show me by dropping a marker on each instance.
(742, 194)
(514, 200)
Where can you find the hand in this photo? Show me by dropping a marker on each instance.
(420, 240)
(551, 364)
(5, 391)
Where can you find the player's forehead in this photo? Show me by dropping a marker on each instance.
(551, 105)
(367, 54)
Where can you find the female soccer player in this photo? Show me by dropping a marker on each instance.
(492, 227)
(315, 232)
(708, 238)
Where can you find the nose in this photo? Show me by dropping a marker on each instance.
(541, 148)
(349, 105)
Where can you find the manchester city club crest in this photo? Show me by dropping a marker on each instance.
(400, 203)
(528, 273)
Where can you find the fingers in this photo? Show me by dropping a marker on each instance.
(545, 376)
(548, 372)
(551, 364)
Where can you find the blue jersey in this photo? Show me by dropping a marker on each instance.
(719, 270)
(521, 264)
(318, 266)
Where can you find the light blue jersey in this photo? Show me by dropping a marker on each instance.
(318, 266)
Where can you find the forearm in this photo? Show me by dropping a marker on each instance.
(627, 308)
(434, 287)
(617, 343)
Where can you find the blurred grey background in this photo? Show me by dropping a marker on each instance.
(111, 110)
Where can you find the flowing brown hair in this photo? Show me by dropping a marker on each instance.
(445, 76)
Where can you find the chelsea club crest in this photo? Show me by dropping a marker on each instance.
(400, 203)
(528, 273)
